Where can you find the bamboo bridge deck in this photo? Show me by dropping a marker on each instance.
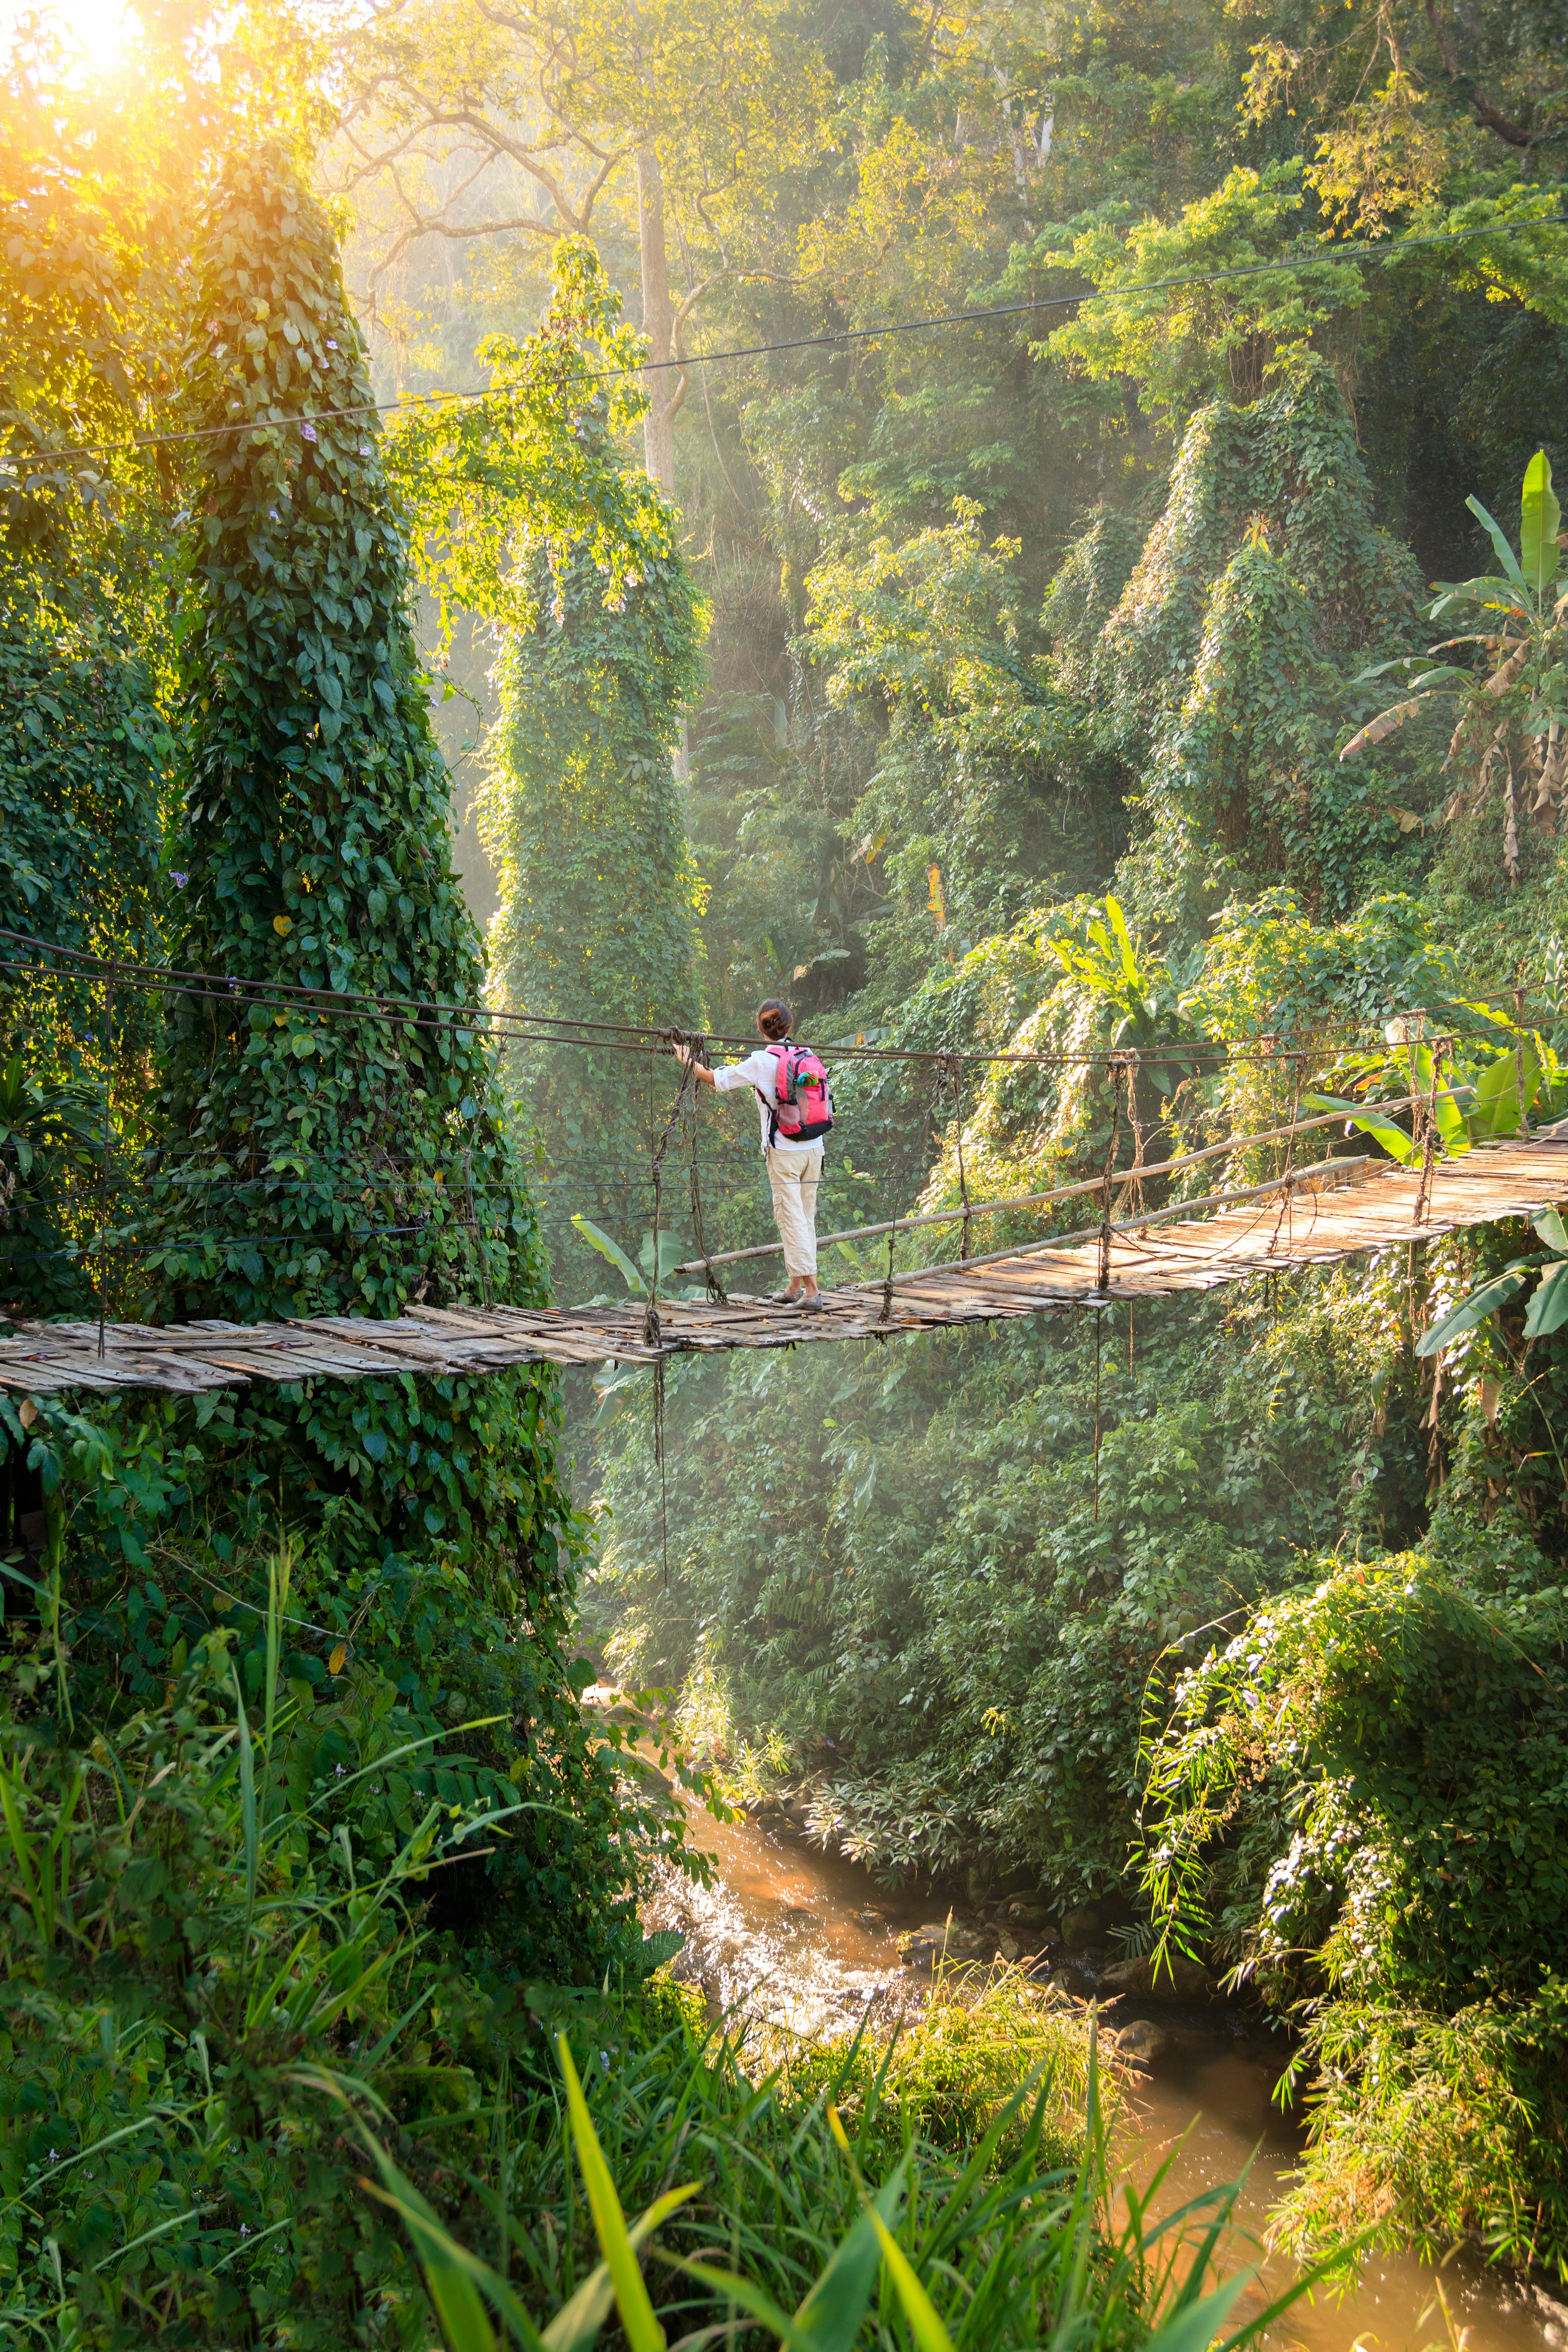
(1315, 1217)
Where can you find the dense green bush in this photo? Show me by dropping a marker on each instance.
(1361, 1799)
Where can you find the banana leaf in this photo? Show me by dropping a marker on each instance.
(1539, 521)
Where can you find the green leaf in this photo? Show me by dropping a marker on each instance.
(1549, 1224)
(829, 2318)
(1547, 1310)
(643, 2332)
(1474, 1310)
(1540, 519)
(830, 2313)
(452, 2274)
(671, 1250)
(1392, 1138)
(1195, 2327)
(578, 2321)
(601, 1240)
(1497, 1092)
(1505, 554)
(1118, 921)
(925, 2323)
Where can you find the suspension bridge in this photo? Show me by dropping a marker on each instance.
(1310, 1216)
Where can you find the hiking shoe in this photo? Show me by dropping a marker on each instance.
(809, 1305)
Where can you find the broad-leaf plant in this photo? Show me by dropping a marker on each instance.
(1513, 707)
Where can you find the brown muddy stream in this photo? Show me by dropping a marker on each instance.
(807, 1939)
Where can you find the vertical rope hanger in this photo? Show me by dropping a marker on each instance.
(715, 1289)
(942, 1063)
(108, 1141)
(1115, 1069)
(1286, 1176)
(1098, 1338)
(955, 1072)
(650, 1324)
(1441, 1047)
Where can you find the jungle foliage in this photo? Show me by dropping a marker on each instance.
(1043, 714)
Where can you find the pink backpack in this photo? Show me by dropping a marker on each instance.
(800, 1109)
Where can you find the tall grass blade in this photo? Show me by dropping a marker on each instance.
(829, 2318)
(578, 2321)
(755, 2301)
(454, 2299)
(1195, 2329)
(453, 2276)
(925, 2323)
(644, 2333)
(279, 1573)
(21, 1846)
(249, 1824)
(833, 2307)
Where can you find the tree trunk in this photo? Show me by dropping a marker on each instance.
(658, 323)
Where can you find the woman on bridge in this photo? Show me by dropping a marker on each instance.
(795, 1110)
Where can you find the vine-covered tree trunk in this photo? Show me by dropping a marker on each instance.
(321, 1159)
(311, 1163)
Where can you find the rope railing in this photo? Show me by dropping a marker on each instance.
(973, 1209)
(540, 1028)
(1138, 1224)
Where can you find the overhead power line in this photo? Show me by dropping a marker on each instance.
(421, 402)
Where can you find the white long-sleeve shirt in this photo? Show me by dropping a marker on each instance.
(760, 1070)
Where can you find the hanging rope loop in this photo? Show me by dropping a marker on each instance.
(1288, 1175)
(1116, 1071)
(695, 1043)
(670, 1040)
(108, 1148)
(954, 1064)
(1442, 1048)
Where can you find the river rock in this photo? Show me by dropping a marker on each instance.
(1027, 1915)
(1008, 1947)
(1083, 1926)
(1068, 1977)
(941, 1939)
(1145, 2043)
(1179, 1978)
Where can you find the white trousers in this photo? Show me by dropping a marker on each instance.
(794, 1177)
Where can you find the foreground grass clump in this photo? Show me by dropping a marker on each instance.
(817, 2203)
(249, 2098)
(949, 2075)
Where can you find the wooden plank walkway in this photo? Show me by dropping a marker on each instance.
(1320, 1216)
